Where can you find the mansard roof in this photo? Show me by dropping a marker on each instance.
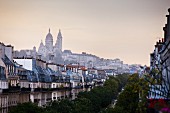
(2, 73)
(43, 74)
(31, 76)
(7, 61)
(50, 71)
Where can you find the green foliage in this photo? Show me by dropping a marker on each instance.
(128, 99)
(63, 106)
(26, 108)
(143, 91)
(117, 109)
(122, 80)
(82, 105)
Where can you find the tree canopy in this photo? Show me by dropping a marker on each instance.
(93, 101)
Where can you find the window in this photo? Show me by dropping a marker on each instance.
(53, 85)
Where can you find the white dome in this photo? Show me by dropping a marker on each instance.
(49, 42)
(49, 37)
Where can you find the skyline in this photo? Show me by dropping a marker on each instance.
(115, 29)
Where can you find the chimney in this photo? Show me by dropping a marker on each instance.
(168, 25)
(165, 32)
(162, 40)
(156, 43)
(159, 41)
(9, 52)
(2, 50)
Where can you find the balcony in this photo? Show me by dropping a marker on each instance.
(14, 89)
(61, 88)
(5, 90)
(42, 89)
(25, 89)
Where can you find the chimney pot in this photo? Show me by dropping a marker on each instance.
(169, 10)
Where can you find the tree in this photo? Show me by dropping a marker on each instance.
(82, 105)
(129, 98)
(63, 106)
(27, 108)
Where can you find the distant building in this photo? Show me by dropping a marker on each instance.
(84, 59)
(51, 53)
(47, 52)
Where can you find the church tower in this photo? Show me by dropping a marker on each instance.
(41, 49)
(59, 41)
(49, 42)
(34, 52)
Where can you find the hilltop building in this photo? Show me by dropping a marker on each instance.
(48, 52)
(51, 53)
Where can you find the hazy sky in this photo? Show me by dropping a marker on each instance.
(125, 29)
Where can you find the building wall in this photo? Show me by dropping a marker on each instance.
(13, 99)
(3, 101)
(33, 85)
(9, 52)
(24, 84)
(3, 84)
(24, 97)
(39, 98)
(2, 50)
(53, 67)
(26, 63)
(13, 82)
